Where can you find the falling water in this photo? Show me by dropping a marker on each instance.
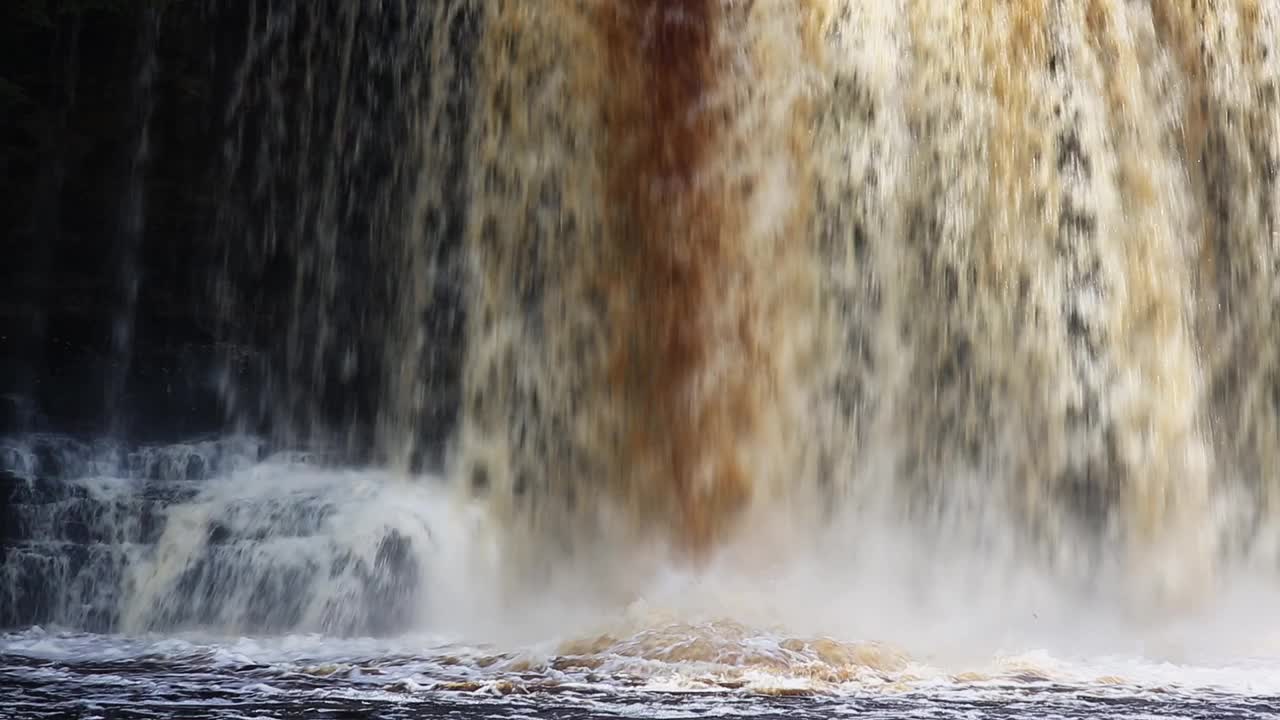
(340, 161)
(132, 220)
(713, 343)
(967, 264)
(684, 272)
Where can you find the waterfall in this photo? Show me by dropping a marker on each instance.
(982, 267)
(654, 283)
(341, 153)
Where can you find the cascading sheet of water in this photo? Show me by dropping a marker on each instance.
(338, 220)
(997, 274)
(760, 331)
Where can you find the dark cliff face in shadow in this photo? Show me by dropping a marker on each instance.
(108, 132)
(124, 220)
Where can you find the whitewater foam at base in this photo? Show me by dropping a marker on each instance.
(280, 546)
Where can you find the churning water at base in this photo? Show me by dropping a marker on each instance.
(224, 580)
(51, 675)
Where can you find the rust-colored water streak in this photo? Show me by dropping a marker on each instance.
(673, 255)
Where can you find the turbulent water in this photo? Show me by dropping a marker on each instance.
(679, 357)
(217, 579)
(69, 675)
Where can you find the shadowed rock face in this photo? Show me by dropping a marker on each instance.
(77, 264)
(168, 273)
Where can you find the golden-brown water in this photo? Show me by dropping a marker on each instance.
(964, 263)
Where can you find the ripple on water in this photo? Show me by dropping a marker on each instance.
(712, 669)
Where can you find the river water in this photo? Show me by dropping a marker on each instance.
(46, 674)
